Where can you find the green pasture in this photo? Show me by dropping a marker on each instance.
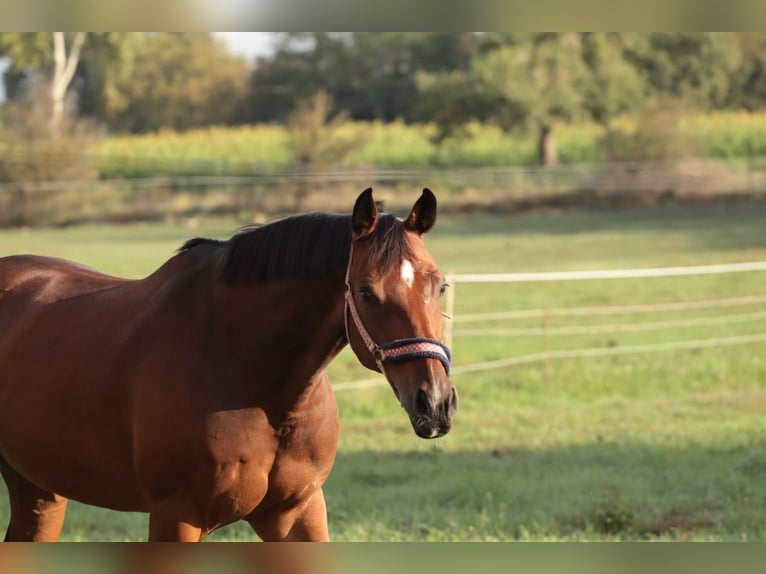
(657, 444)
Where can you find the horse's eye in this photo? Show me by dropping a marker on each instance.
(443, 289)
(368, 296)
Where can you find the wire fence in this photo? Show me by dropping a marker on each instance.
(615, 328)
(236, 189)
(612, 309)
(700, 175)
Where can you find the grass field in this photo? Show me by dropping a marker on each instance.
(657, 445)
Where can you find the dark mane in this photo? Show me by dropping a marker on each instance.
(310, 245)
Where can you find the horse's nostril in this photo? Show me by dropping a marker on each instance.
(422, 404)
(452, 401)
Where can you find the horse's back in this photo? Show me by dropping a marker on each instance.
(29, 284)
(47, 279)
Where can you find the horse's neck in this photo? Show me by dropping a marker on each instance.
(283, 333)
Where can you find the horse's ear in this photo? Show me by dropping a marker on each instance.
(423, 214)
(365, 216)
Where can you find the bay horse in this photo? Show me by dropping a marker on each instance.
(199, 393)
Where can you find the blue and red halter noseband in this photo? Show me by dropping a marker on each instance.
(393, 351)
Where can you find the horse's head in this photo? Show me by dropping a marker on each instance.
(394, 311)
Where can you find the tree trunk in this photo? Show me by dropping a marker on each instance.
(546, 148)
(63, 72)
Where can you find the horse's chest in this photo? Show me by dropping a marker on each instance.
(277, 472)
(303, 460)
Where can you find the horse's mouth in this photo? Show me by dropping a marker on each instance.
(430, 429)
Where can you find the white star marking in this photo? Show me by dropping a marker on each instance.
(408, 273)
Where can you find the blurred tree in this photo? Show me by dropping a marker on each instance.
(303, 64)
(450, 99)
(42, 139)
(697, 68)
(533, 81)
(131, 81)
(387, 88)
(177, 81)
(540, 81)
(519, 81)
(102, 59)
(748, 89)
(614, 85)
(370, 74)
(105, 67)
(316, 139)
(57, 53)
(30, 155)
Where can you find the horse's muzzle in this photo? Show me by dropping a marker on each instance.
(431, 417)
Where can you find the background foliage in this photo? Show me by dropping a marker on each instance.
(657, 133)
(143, 82)
(460, 99)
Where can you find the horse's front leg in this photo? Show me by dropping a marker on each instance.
(165, 526)
(304, 523)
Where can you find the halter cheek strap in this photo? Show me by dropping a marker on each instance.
(394, 351)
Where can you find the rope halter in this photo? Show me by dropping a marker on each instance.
(394, 351)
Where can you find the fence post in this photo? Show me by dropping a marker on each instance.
(450, 308)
